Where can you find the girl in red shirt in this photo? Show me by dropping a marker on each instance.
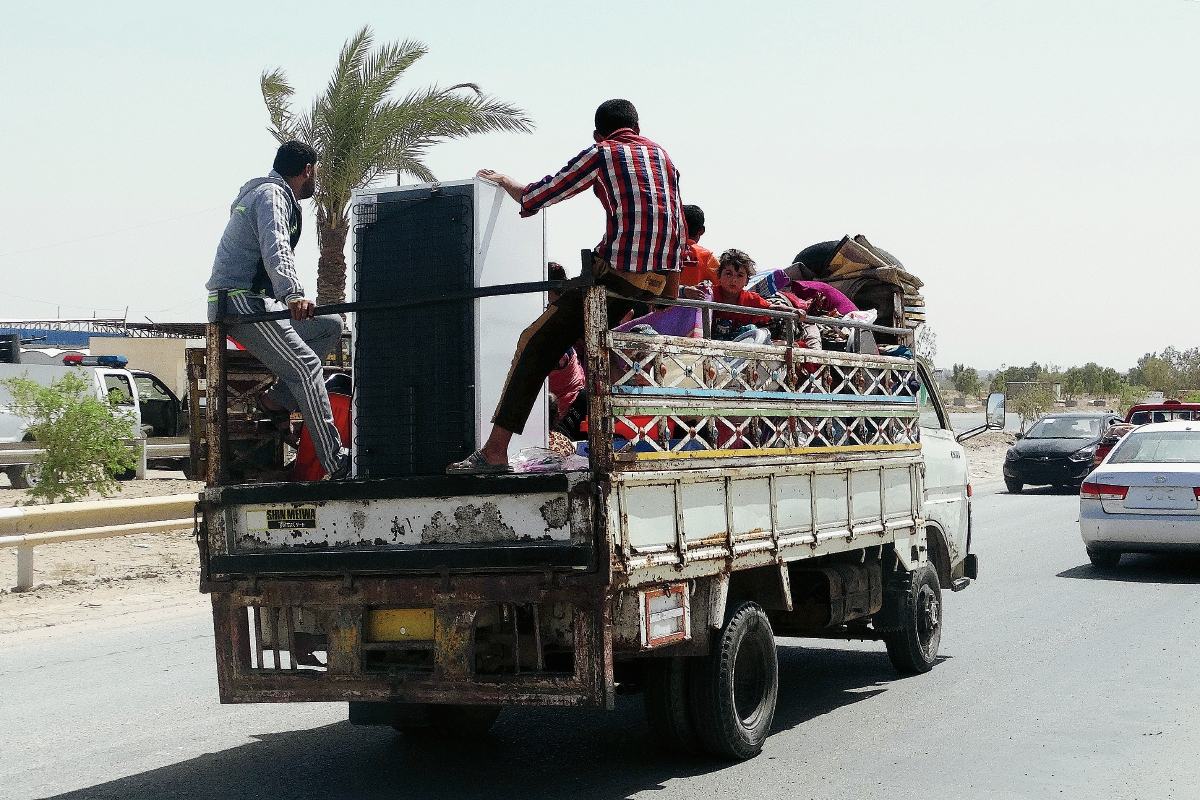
(733, 273)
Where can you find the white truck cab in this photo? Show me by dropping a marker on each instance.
(948, 483)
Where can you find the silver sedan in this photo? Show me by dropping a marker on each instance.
(1145, 496)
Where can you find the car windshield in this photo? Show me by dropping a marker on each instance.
(1169, 447)
(1065, 428)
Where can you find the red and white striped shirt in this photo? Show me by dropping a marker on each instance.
(639, 188)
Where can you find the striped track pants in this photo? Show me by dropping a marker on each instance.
(294, 351)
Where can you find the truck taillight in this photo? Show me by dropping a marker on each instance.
(1099, 491)
(1196, 491)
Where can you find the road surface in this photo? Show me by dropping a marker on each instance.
(1055, 680)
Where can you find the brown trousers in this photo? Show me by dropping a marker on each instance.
(554, 333)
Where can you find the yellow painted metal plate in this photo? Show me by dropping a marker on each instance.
(399, 624)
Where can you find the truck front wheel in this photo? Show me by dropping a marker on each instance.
(669, 705)
(734, 689)
(913, 645)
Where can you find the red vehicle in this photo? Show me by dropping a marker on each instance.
(1144, 414)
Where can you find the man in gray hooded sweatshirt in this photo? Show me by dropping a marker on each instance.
(256, 263)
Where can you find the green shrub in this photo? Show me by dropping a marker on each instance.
(82, 436)
(1031, 402)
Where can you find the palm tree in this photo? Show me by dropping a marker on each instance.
(361, 133)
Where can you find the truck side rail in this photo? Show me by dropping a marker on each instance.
(665, 401)
(732, 399)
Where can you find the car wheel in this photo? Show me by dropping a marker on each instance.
(1104, 559)
(1014, 487)
(21, 477)
(913, 646)
(735, 688)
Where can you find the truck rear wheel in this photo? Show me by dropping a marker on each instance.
(913, 646)
(734, 689)
(669, 705)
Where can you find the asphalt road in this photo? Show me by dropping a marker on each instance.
(1055, 680)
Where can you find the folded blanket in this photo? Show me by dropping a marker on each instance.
(673, 321)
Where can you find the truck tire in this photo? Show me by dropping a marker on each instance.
(21, 477)
(734, 688)
(913, 645)
(669, 705)
(453, 721)
(1014, 487)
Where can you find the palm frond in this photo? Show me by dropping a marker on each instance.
(361, 134)
(414, 167)
(382, 69)
(350, 62)
(277, 94)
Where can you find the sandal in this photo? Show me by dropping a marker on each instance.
(476, 464)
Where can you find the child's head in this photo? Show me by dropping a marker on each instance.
(694, 217)
(734, 270)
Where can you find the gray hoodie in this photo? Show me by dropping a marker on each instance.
(257, 249)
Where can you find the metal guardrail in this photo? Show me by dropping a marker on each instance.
(19, 454)
(25, 527)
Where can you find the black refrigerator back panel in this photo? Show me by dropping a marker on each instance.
(414, 368)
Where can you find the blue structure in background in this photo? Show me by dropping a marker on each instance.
(60, 339)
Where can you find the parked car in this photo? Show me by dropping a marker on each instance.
(1165, 411)
(1143, 414)
(1145, 497)
(1058, 450)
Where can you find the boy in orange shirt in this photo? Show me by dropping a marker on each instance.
(703, 265)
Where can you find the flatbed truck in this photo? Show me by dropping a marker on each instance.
(758, 491)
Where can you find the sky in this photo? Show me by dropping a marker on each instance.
(1034, 163)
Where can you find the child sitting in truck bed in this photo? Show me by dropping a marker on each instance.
(733, 273)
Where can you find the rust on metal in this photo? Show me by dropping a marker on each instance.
(468, 524)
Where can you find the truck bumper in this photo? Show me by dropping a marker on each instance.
(493, 640)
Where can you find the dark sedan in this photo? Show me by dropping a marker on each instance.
(1057, 450)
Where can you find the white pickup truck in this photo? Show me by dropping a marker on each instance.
(757, 490)
(105, 382)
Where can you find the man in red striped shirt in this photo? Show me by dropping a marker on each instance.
(639, 257)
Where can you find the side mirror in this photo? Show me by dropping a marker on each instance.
(1020, 435)
(995, 411)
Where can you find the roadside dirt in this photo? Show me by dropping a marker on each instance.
(985, 455)
(78, 581)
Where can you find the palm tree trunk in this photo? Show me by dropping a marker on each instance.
(331, 264)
